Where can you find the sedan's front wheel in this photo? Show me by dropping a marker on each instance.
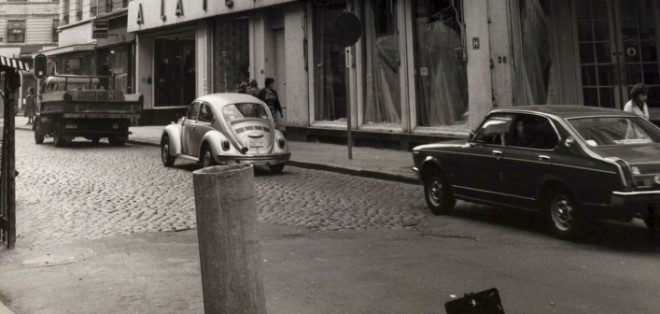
(438, 194)
(565, 218)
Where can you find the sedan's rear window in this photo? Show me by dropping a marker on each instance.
(600, 131)
(242, 111)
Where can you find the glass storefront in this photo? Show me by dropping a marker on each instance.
(382, 63)
(440, 67)
(231, 59)
(330, 65)
(174, 72)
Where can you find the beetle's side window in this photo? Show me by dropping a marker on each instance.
(531, 131)
(205, 113)
(192, 111)
(494, 130)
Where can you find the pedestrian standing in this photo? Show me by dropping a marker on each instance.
(637, 102)
(269, 96)
(30, 105)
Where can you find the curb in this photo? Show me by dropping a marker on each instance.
(315, 166)
(355, 172)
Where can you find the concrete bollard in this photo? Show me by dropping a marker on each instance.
(229, 251)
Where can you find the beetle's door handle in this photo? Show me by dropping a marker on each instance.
(544, 157)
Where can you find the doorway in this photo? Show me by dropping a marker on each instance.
(618, 48)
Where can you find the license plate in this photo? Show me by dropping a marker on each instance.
(256, 143)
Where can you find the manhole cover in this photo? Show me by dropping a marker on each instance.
(60, 259)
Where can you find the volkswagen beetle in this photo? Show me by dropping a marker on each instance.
(226, 128)
(574, 164)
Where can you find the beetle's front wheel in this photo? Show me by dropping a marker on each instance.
(207, 157)
(165, 157)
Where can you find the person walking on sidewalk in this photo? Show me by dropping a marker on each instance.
(637, 102)
(30, 105)
(269, 96)
(253, 89)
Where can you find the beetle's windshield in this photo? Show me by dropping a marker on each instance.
(236, 112)
(600, 131)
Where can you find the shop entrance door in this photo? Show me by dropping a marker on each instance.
(618, 48)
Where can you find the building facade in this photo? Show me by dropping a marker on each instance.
(94, 41)
(27, 26)
(421, 70)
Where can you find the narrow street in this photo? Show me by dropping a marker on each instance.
(331, 243)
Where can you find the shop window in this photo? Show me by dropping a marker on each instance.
(382, 67)
(440, 67)
(330, 95)
(174, 73)
(16, 31)
(231, 61)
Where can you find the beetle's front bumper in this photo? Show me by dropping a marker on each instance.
(257, 160)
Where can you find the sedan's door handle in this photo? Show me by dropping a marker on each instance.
(497, 153)
(544, 157)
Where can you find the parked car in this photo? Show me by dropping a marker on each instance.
(574, 164)
(226, 128)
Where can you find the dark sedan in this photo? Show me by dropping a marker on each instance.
(574, 164)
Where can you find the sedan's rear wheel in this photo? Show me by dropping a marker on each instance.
(207, 157)
(165, 157)
(565, 218)
(438, 194)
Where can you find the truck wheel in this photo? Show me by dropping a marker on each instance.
(116, 141)
(58, 139)
(38, 132)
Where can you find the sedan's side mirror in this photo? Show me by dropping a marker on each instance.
(569, 141)
(471, 136)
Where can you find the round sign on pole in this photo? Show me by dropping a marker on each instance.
(347, 28)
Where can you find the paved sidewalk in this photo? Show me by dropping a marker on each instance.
(388, 164)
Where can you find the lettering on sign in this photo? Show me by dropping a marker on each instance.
(179, 8)
(140, 18)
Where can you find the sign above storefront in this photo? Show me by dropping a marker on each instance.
(100, 29)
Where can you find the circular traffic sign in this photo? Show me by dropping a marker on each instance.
(347, 28)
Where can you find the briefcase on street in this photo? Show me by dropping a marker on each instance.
(484, 302)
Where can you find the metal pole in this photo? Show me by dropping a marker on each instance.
(229, 251)
(349, 134)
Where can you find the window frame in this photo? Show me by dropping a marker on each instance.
(10, 29)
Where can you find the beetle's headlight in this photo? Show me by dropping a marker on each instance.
(281, 142)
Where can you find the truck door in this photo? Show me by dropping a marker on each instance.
(188, 130)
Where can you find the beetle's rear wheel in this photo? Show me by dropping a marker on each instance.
(207, 159)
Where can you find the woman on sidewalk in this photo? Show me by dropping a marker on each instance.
(30, 105)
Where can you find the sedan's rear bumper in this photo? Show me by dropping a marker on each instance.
(258, 160)
(635, 198)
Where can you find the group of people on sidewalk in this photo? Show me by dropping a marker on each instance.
(267, 95)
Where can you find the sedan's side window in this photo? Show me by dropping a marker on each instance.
(205, 113)
(494, 130)
(192, 111)
(531, 131)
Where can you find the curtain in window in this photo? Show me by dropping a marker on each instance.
(441, 73)
(383, 90)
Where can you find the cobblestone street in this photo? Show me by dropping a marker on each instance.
(84, 191)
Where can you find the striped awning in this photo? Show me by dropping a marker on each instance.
(13, 63)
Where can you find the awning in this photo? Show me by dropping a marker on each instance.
(13, 63)
(69, 49)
